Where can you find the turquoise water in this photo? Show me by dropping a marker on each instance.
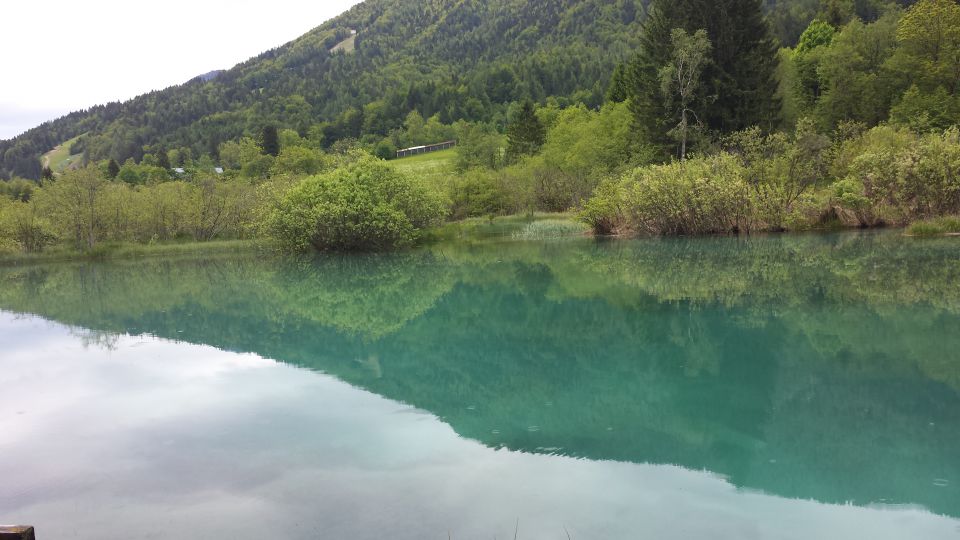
(769, 387)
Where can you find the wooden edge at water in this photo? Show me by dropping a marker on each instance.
(16, 532)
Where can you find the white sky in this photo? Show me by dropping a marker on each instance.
(59, 56)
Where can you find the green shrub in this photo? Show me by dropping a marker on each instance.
(17, 189)
(23, 229)
(781, 171)
(853, 205)
(385, 150)
(604, 211)
(698, 196)
(899, 177)
(364, 205)
(475, 193)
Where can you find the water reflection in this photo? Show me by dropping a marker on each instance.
(150, 435)
(810, 367)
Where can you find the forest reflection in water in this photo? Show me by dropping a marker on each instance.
(819, 367)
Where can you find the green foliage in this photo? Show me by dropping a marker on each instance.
(680, 79)
(618, 91)
(774, 182)
(525, 133)
(902, 66)
(17, 189)
(856, 80)
(781, 170)
(270, 140)
(365, 205)
(447, 59)
(582, 147)
(604, 211)
(479, 145)
(698, 196)
(22, 228)
(816, 35)
(385, 150)
(134, 174)
(83, 209)
(705, 195)
(926, 111)
(234, 154)
(294, 160)
(899, 177)
(550, 229)
(476, 193)
(929, 33)
(935, 227)
(806, 58)
(113, 169)
(740, 85)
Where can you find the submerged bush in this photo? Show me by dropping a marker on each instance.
(364, 205)
(550, 228)
(935, 227)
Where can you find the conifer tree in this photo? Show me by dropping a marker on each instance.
(740, 84)
(163, 160)
(617, 91)
(525, 132)
(270, 141)
(113, 169)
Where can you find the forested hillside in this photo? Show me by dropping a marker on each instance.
(459, 59)
(686, 117)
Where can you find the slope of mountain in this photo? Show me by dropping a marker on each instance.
(460, 59)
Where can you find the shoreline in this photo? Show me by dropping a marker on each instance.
(465, 231)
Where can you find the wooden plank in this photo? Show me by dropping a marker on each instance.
(16, 532)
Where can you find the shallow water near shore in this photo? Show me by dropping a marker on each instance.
(795, 386)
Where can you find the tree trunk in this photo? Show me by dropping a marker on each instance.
(683, 135)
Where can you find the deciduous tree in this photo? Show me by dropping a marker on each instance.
(681, 77)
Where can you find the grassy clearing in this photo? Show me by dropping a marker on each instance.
(108, 251)
(59, 158)
(935, 227)
(348, 45)
(433, 167)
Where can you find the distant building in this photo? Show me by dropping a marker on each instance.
(179, 170)
(218, 170)
(425, 149)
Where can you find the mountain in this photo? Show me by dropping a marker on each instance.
(361, 73)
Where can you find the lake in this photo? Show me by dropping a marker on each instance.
(774, 387)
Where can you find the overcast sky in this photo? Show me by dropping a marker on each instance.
(63, 55)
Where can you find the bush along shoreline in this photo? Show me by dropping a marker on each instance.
(770, 183)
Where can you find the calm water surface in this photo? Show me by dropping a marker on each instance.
(783, 387)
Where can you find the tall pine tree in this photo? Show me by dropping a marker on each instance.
(270, 141)
(525, 133)
(740, 82)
